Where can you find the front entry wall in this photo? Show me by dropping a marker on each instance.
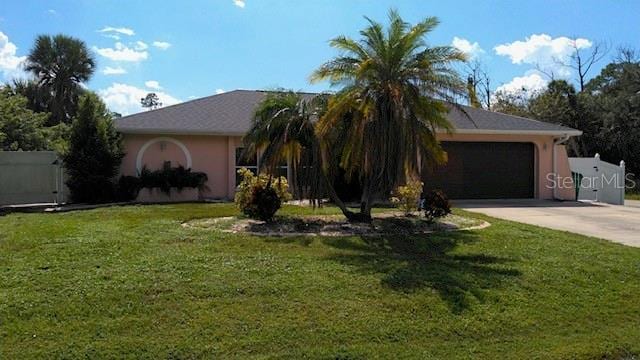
(208, 154)
(215, 155)
(158, 151)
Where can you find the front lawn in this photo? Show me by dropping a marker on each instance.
(130, 282)
(632, 196)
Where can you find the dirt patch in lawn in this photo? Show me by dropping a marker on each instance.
(335, 225)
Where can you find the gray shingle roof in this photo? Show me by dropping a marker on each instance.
(231, 113)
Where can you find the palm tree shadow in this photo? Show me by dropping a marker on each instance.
(410, 263)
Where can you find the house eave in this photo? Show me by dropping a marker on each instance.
(178, 132)
(568, 132)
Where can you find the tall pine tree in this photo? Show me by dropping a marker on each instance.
(95, 153)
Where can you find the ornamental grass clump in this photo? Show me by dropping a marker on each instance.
(261, 196)
(407, 197)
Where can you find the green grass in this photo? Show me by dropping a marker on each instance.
(632, 196)
(130, 282)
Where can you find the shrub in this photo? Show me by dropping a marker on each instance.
(408, 197)
(128, 188)
(260, 197)
(264, 203)
(95, 152)
(168, 177)
(436, 205)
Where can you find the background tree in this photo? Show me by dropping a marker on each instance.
(151, 101)
(512, 102)
(38, 97)
(95, 153)
(471, 93)
(582, 60)
(20, 128)
(614, 100)
(57, 137)
(478, 78)
(607, 111)
(60, 64)
(561, 104)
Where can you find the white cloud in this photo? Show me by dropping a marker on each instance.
(541, 49)
(473, 50)
(219, 91)
(140, 45)
(239, 3)
(52, 12)
(9, 62)
(114, 71)
(125, 99)
(162, 45)
(531, 83)
(112, 36)
(122, 53)
(119, 30)
(152, 84)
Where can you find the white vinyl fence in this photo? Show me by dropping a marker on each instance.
(31, 177)
(600, 181)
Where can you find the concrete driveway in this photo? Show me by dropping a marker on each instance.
(632, 203)
(620, 224)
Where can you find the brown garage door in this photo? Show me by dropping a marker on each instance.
(485, 170)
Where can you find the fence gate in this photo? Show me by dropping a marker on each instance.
(599, 180)
(31, 177)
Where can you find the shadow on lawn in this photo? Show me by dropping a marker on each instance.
(409, 263)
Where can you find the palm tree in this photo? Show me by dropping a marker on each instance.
(60, 65)
(392, 101)
(38, 98)
(381, 126)
(284, 131)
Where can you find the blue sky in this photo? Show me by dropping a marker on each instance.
(187, 49)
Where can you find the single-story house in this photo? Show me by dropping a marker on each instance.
(491, 155)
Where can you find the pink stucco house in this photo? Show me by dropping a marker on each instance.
(491, 155)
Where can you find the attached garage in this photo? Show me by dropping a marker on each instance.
(485, 170)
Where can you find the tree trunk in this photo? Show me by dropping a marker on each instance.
(365, 203)
(575, 145)
(365, 211)
(350, 215)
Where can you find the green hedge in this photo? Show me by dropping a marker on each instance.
(163, 179)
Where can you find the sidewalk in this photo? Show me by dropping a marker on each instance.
(52, 207)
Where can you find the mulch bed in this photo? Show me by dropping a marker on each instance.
(386, 223)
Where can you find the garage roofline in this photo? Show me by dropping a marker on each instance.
(568, 132)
